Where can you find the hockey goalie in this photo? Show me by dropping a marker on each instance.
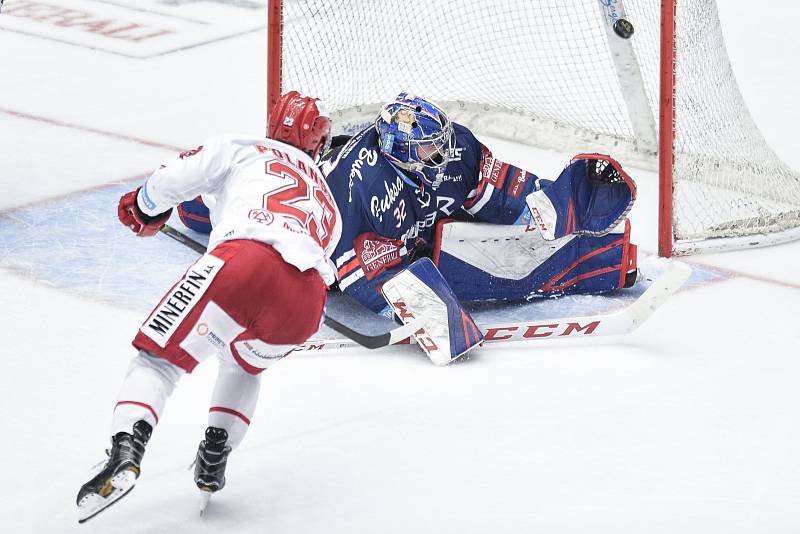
(414, 185)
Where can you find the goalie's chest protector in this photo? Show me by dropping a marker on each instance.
(375, 196)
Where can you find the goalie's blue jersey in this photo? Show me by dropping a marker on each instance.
(386, 214)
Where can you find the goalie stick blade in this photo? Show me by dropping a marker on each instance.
(671, 280)
(624, 321)
(621, 322)
(377, 341)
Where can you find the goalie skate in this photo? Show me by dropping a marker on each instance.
(118, 475)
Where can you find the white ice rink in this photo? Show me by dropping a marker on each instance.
(689, 425)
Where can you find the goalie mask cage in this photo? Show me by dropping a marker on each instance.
(655, 92)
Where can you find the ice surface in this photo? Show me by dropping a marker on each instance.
(687, 425)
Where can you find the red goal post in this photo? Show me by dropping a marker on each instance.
(566, 75)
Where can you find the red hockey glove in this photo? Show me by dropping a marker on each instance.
(132, 216)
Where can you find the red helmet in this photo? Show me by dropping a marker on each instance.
(302, 122)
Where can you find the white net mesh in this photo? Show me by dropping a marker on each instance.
(727, 180)
(544, 74)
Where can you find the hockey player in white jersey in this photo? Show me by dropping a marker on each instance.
(258, 293)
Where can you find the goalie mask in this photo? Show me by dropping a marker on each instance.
(302, 122)
(415, 135)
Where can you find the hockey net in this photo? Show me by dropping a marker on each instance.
(561, 75)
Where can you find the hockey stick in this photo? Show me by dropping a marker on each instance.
(355, 338)
(392, 337)
(621, 322)
(184, 239)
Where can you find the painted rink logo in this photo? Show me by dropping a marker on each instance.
(131, 28)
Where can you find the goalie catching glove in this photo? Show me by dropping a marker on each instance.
(591, 196)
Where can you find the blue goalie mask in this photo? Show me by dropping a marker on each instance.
(415, 135)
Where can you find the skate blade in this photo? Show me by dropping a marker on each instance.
(117, 487)
(205, 496)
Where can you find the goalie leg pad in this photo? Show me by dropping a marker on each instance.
(420, 290)
(503, 262)
(195, 216)
(593, 265)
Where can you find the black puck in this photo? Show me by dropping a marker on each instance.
(623, 28)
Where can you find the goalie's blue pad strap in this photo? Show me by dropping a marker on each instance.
(464, 333)
(194, 215)
(584, 264)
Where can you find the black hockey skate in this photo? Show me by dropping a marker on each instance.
(630, 278)
(119, 474)
(209, 467)
(212, 457)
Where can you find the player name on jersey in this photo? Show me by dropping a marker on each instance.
(166, 318)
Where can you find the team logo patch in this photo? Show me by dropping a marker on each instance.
(492, 170)
(261, 216)
(205, 332)
(376, 253)
(167, 317)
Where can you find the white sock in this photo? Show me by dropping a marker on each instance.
(145, 389)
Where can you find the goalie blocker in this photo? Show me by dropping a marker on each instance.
(449, 331)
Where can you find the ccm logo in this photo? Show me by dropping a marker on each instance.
(539, 220)
(539, 330)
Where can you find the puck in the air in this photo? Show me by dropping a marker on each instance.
(623, 28)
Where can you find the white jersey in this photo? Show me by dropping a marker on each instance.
(255, 188)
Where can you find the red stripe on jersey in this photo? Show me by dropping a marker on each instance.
(474, 200)
(347, 268)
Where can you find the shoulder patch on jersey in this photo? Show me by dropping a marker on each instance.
(492, 169)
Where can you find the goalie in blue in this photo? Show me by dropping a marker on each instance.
(415, 184)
